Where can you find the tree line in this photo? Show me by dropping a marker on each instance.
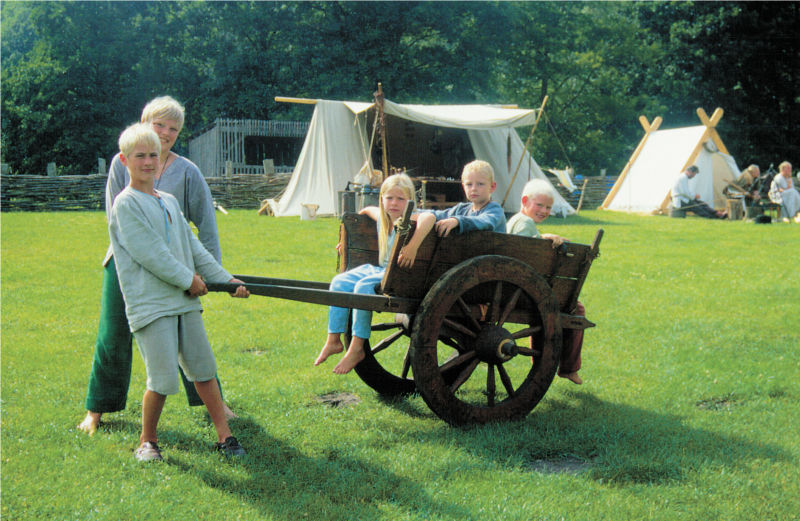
(75, 73)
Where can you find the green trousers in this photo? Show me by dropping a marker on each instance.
(113, 353)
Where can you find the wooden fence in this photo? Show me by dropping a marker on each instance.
(87, 192)
(225, 142)
(34, 193)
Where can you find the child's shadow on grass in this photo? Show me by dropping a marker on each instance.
(616, 443)
(282, 482)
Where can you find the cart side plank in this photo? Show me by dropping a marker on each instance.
(358, 238)
(564, 268)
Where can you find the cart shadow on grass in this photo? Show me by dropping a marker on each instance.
(611, 442)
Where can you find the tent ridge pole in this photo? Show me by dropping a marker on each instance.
(305, 101)
(524, 148)
(648, 129)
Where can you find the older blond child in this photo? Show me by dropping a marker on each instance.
(537, 202)
(113, 352)
(160, 265)
(395, 192)
(480, 212)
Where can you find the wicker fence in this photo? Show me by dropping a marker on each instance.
(87, 192)
(247, 191)
(36, 193)
(594, 192)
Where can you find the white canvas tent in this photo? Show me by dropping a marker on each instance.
(337, 146)
(645, 183)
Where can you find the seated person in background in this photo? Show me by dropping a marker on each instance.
(783, 192)
(480, 213)
(537, 202)
(683, 198)
(747, 184)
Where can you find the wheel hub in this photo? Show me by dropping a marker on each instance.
(495, 345)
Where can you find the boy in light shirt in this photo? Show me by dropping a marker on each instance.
(161, 265)
(537, 202)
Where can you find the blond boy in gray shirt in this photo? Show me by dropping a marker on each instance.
(161, 266)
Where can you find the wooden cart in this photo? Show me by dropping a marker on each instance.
(475, 326)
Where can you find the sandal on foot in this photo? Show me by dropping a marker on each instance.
(230, 447)
(148, 451)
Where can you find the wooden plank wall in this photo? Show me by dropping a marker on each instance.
(224, 141)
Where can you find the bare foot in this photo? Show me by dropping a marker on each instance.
(350, 360)
(332, 346)
(229, 414)
(572, 377)
(90, 423)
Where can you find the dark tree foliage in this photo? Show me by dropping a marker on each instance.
(741, 56)
(75, 73)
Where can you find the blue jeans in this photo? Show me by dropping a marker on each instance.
(360, 280)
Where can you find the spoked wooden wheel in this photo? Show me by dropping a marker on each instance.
(387, 364)
(494, 321)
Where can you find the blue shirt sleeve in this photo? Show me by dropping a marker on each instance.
(490, 217)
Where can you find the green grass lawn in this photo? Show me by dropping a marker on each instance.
(689, 410)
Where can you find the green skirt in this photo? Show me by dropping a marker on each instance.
(113, 351)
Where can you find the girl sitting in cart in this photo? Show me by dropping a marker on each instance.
(396, 191)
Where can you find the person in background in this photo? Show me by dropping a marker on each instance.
(537, 203)
(746, 185)
(111, 368)
(783, 192)
(685, 199)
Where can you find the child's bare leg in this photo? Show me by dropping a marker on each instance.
(332, 346)
(355, 354)
(90, 423)
(209, 393)
(152, 405)
(572, 377)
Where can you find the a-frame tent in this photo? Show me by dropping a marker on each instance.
(645, 183)
(338, 144)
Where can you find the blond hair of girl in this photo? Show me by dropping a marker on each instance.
(404, 183)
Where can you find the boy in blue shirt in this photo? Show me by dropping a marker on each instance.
(480, 213)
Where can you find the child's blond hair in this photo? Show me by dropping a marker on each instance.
(479, 166)
(138, 134)
(163, 107)
(536, 187)
(403, 182)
